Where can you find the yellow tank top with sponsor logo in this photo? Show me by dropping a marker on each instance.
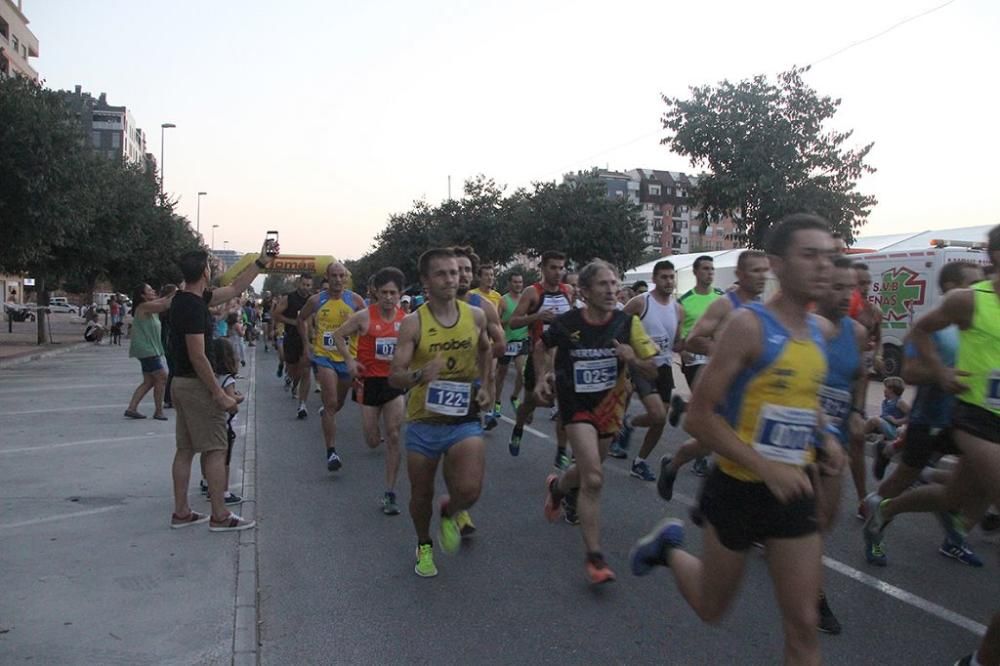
(331, 314)
(452, 397)
(774, 405)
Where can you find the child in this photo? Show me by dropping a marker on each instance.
(226, 368)
(887, 425)
(234, 327)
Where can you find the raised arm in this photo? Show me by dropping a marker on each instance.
(156, 306)
(245, 277)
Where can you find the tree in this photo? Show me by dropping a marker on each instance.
(278, 284)
(580, 220)
(769, 154)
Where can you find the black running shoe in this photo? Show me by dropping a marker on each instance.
(881, 461)
(665, 484)
(700, 467)
(677, 407)
(828, 622)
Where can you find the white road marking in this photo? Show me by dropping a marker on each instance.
(906, 597)
(536, 433)
(62, 516)
(84, 442)
(877, 584)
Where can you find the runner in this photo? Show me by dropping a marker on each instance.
(487, 278)
(540, 304)
(751, 275)
(318, 319)
(266, 305)
(443, 347)
(868, 315)
(296, 358)
(468, 265)
(661, 317)
(695, 302)
(842, 398)
(975, 381)
(929, 434)
(757, 406)
(517, 349)
(592, 346)
(377, 328)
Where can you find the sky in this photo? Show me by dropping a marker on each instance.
(321, 118)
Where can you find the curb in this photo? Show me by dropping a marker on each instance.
(245, 623)
(34, 356)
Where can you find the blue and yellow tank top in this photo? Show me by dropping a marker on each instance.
(843, 358)
(451, 398)
(774, 405)
(331, 313)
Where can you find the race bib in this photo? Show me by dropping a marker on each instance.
(595, 375)
(328, 343)
(784, 434)
(448, 398)
(993, 390)
(385, 348)
(836, 403)
(513, 348)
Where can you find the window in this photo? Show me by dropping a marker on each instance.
(95, 138)
(654, 190)
(116, 140)
(16, 44)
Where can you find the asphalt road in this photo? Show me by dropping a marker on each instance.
(337, 581)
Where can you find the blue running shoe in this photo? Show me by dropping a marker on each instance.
(333, 462)
(640, 470)
(651, 550)
(490, 422)
(616, 451)
(959, 551)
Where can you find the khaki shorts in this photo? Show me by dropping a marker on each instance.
(201, 425)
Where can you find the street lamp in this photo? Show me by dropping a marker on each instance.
(200, 195)
(225, 245)
(163, 128)
(214, 227)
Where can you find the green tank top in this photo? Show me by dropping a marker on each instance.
(694, 305)
(979, 350)
(145, 339)
(516, 334)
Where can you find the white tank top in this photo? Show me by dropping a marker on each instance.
(660, 323)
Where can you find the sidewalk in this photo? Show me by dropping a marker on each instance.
(90, 569)
(22, 342)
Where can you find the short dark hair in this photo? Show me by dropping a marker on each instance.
(702, 259)
(639, 283)
(780, 237)
(192, 265)
(424, 263)
(306, 276)
(223, 357)
(662, 265)
(552, 255)
(747, 255)
(232, 318)
(483, 267)
(843, 262)
(861, 266)
(952, 272)
(387, 275)
(467, 252)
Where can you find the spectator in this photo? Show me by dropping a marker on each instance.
(226, 369)
(94, 332)
(201, 404)
(894, 410)
(147, 346)
(115, 310)
(165, 341)
(234, 328)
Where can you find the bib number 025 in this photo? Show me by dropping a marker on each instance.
(596, 375)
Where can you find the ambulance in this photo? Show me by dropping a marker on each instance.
(905, 285)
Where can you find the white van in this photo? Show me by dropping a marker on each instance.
(904, 286)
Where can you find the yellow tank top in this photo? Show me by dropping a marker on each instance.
(331, 315)
(774, 405)
(493, 297)
(452, 397)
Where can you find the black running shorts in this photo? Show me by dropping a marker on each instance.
(976, 421)
(744, 512)
(663, 385)
(374, 391)
(923, 443)
(293, 348)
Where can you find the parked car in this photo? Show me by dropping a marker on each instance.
(61, 304)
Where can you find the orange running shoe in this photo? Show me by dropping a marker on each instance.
(598, 571)
(552, 506)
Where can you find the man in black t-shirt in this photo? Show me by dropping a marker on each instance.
(201, 404)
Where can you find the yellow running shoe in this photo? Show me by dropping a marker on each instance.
(450, 537)
(465, 525)
(425, 561)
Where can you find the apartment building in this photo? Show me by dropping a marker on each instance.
(111, 130)
(17, 42)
